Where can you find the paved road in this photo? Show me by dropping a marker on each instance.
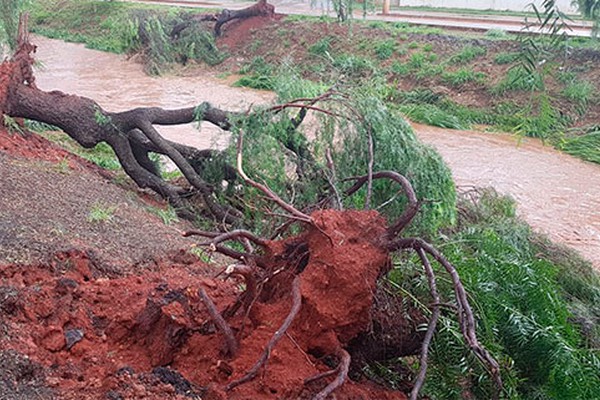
(429, 18)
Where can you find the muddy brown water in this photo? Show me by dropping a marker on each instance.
(556, 193)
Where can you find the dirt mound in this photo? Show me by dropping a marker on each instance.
(150, 337)
(236, 33)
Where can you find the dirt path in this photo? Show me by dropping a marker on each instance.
(557, 194)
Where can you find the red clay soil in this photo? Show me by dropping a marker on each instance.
(107, 338)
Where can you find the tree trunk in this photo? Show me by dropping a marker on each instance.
(386, 7)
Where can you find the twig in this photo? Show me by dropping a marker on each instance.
(430, 328)
(466, 317)
(340, 378)
(232, 345)
(305, 106)
(296, 304)
(263, 188)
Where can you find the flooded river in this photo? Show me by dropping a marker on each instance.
(557, 194)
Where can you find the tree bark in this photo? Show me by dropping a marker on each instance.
(131, 133)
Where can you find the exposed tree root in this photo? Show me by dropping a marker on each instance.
(232, 345)
(296, 304)
(342, 375)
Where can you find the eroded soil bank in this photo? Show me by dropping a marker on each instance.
(69, 331)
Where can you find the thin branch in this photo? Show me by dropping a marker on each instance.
(339, 380)
(264, 189)
(232, 345)
(280, 107)
(369, 170)
(466, 317)
(435, 315)
(237, 235)
(296, 304)
(411, 209)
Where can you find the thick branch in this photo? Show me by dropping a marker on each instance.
(237, 235)
(260, 8)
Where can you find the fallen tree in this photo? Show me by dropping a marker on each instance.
(329, 272)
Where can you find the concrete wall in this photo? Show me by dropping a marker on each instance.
(513, 5)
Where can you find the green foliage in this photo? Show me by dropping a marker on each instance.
(167, 215)
(260, 75)
(580, 93)
(506, 58)
(123, 27)
(544, 123)
(384, 49)
(101, 213)
(11, 125)
(321, 47)
(496, 34)
(586, 147)
(9, 21)
(519, 78)
(432, 114)
(396, 148)
(354, 65)
(101, 155)
(462, 76)
(467, 54)
(524, 295)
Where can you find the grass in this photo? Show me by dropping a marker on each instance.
(167, 215)
(467, 54)
(586, 147)
(462, 76)
(580, 93)
(102, 154)
(101, 213)
(507, 58)
(518, 79)
(385, 49)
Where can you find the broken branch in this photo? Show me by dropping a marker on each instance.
(430, 328)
